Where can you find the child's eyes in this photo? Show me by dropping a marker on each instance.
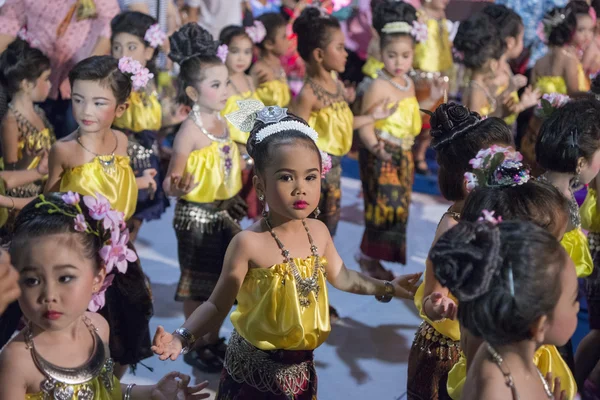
(286, 178)
(216, 85)
(77, 101)
(29, 281)
(100, 104)
(66, 278)
(311, 177)
(132, 47)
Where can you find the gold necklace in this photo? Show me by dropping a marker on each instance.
(108, 165)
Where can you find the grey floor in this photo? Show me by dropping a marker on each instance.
(366, 354)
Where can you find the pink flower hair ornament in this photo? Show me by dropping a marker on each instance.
(155, 36)
(496, 167)
(140, 76)
(108, 225)
(488, 216)
(222, 52)
(257, 32)
(24, 35)
(325, 163)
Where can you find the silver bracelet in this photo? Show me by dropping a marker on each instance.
(128, 391)
(187, 337)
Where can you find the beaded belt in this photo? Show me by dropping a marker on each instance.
(406, 143)
(594, 241)
(248, 364)
(428, 339)
(203, 216)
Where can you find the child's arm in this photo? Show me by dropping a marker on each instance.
(177, 183)
(260, 73)
(14, 368)
(304, 103)
(476, 99)
(10, 140)
(367, 132)
(16, 203)
(56, 160)
(572, 75)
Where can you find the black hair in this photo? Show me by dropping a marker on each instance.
(272, 23)
(596, 6)
(105, 70)
(478, 40)
(230, 32)
(595, 85)
(560, 32)
(458, 135)
(262, 153)
(192, 47)
(536, 201)
(314, 31)
(135, 23)
(508, 22)
(387, 12)
(571, 132)
(477, 261)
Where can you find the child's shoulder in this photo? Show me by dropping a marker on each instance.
(318, 231)
(100, 324)
(15, 353)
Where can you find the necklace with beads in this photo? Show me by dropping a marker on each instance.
(224, 142)
(107, 161)
(386, 77)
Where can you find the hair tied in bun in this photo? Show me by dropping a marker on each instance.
(451, 120)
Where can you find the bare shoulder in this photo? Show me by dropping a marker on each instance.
(122, 141)
(319, 232)
(15, 356)
(100, 324)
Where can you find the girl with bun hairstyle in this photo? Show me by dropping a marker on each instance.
(517, 290)
(277, 270)
(568, 31)
(458, 135)
(205, 175)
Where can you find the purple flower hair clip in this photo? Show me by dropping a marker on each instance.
(222, 52)
(488, 216)
(140, 76)
(155, 36)
(257, 32)
(325, 164)
(496, 167)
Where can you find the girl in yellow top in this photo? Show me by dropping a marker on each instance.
(567, 30)
(93, 160)
(458, 135)
(277, 269)
(269, 34)
(63, 350)
(205, 174)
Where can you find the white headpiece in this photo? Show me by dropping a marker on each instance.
(417, 30)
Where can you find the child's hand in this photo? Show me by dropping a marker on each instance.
(405, 286)
(175, 386)
(149, 182)
(519, 81)
(439, 88)
(380, 152)
(9, 282)
(530, 97)
(182, 185)
(382, 110)
(559, 394)
(42, 167)
(166, 345)
(443, 305)
(236, 207)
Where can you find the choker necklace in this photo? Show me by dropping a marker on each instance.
(385, 76)
(304, 286)
(107, 161)
(328, 98)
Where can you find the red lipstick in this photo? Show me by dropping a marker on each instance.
(300, 205)
(52, 315)
(86, 122)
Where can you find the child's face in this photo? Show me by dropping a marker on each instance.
(514, 46)
(211, 91)
(437, 4)
(42, 87)
(239, 56)
(397, 56)
(585, 31)
(292, 181)
(335, 54)
(128, 45)
(281, 44)
(57, 281)
(94, 106)
(589, 170)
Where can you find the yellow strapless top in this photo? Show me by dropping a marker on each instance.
(371, 67)
(576, 244)
(217, 170)
(234, 133)
(546, 358)
(449, 328)
(3, 211)
(274, 93)
(405, 123)
(435, 54)
(590, 219)
(557, 84)
(144, 113)
(512, 117)
(100, 391)
(269, 314)
(117, 186)
(334, 126)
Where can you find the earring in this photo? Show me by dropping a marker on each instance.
(196, 108)
(317, 212)
(261, 198)
(576, 182)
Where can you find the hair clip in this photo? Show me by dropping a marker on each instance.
(511, 281)
(271, 114)
(325, 163)
(488, 216)
(496, 167)
(222, 52)
(573, 140)
(155, 36)
(257, 32)
(140, 76)
(550, 103)
(555, 20)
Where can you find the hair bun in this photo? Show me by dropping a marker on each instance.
(387, 12)
(450, 120)
(466, 259)
(190, 41)
(308, 17)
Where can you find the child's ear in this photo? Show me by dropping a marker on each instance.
(148, 53)
(318, 55)
(269, 44)
(510, 43)
(99, 279)
(192, 93)
(26, 86)
(258, 185)
(121, 109)
(539, 329)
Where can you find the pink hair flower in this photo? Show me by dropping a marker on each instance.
(98, 299)
(71, 198)
(141, 79)
(471, 181)
(80, 223)
(488, 216)
(113, 220)
(140, 76)
(593, 15)
(222, 52)
(257, 32)
(128, 65)
(458, 55)
(419, 31)
(325, 164)
(24, 35)
(99, 206)
(116, 254)
(155, 36)
(540, 31)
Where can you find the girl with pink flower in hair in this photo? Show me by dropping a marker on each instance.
(72, 254)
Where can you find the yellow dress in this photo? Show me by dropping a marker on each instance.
(117, 186)
(449, 328)
(144, 113)
(590, 219)
(403, 125)
(557, 84)
(334, 126)
(217, 170)
(274, 93)
(100, 392)
(231, 106)
(512, 117)
(546, 358)
(435, 54)
(576, 244)
(269, 315)
(371, 67)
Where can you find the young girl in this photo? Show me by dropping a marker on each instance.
(269, 35)
(567, 30)
(63, 350)
(458, 135)
(24, 75)
(277, 269)
(138, 36)
(93, 159)
(205, 173)
(517, 289)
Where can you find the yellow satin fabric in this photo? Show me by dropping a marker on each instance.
(590, 219)
(234, 133)
(405, 121)
(512, 117)
(207, 167)
(118, 187)
(546, 358)
(449, 328)
(435, 54)
(144, 113)
(371, 67)
(3, 211)
(269, 314)
(274, 93)
(334, 126)
(557, 84)
(576, 244)
(582, 79)
(35, 141)
(100, 391)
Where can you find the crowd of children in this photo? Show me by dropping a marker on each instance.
(498, 296)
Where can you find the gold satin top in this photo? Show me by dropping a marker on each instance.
(274, 93)
(144, 113)
(217, 179)
(371, 67)
(590, 219)
(449, 328)
(334, 126)
(31, 139)
(512, 117)
(100, 391)
(234, 133)
(404, 124)
(576, 244)
(557, 84)
(269, 314)
(117, 186)
(435, 54)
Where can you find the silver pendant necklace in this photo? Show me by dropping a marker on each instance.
(107, 161)
(403, 88)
